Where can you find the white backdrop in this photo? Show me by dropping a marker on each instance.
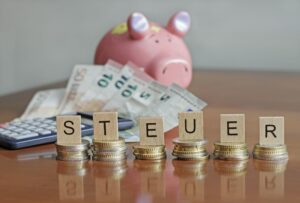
(41, 40)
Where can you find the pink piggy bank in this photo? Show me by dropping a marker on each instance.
(159, 50)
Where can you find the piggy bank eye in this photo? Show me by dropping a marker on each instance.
(169, 40)
(157, 41)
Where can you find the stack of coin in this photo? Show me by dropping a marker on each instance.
(109, 150)
(149, 152)
(271, 153)
(231, 151)
(190, 150)
(75, 152)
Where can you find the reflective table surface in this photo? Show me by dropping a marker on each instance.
(34, 175)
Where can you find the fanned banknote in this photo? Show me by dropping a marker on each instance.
(44, 104)
(112, 87)
(77, 84)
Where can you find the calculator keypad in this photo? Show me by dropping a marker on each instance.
(29, 128)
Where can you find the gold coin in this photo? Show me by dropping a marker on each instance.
(74, 147)
(229, 146)
(150, 156)
(188, 149)
(230, 156)
(189, 142)
(112, 150)
(100, 144)
(195, 156)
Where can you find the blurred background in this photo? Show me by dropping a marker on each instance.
(41, 41)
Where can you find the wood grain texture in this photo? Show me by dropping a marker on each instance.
(232, 128)
(271, 131)
(68, 130)
(190, 125)
(106, 126)
(151, 131)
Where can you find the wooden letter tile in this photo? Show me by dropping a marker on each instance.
(151, 131)
(233, 128)
(271, 131)
(106, 126)
(68, 130)
(190, 125)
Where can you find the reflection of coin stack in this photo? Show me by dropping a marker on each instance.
(277, 152)
(112, 169)
(190, 150)
(271, 166)
(109, 150)
(230, 168)
(230, 151)
(149, 152)
(77, 168)
(190, 169)
(75, 152)
(151, 165)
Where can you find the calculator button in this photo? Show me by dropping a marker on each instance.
(24, 125)
(23, 136)
(13, 135)
(49, 121)
(32, 128)
(6, 132)
(25, 132)
(39, 119)
(11, 127)
(37, 123)
(44, 125)
(19, 130)
(45, 132)
(39, 130)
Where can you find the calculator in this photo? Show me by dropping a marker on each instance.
(31, 132)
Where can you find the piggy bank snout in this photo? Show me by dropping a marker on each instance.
(179, 72)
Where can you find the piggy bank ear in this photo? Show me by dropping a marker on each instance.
(138, 26)
(179, 24)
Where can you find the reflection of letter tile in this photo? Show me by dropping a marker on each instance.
(271, 185)
(233, 187)
(105, 126)
(107, 190)
(68, 130)
(153, 183)
(190, 125)
(232, 128)
(70, 187)
(271, 130)
(191, 189)
(155, 133)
